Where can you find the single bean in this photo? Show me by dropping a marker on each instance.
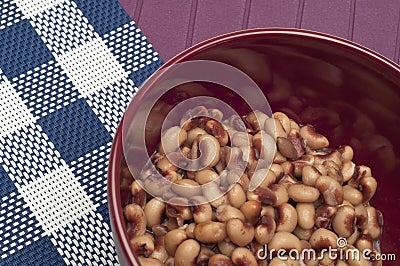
(368, 185)
(201, 209)
(303, 234)
(243, 256)
(330, 189)
(263, 195)
(265, 230)
(226, 247)
(139, 196)
(240, 139)
(373, 228)
(306, 215)
(210, 232)
(149, 261)
(256, 120)
(346, 152)
(300, 163)
(251, 210)
(173, 239)
(219, 260)
(352, 195)
(172, 139)
(227, 212)
(344, 221)
(287, 181)
(265, 145)
(313, 139)
(279, 158)
(284, 240)
(309, 175)
(142, 245)
(274, 128)
(239, 232)
(136, 219)
(353, 238)
(297, 141)
(189, 230)
(268, 210)
(281, 194)
(348, 168)
(283, 120)
(286, 219)
(205, 176)
(324, 215)
(361, 216)
(286, 148)
(159, 252)
(187, 252)
(303, 193)
(364, 242)
(323, 238)
(277, 169)
(154, 212)
(236, 196)
(217, 130)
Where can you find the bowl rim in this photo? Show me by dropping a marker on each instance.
(113, 192)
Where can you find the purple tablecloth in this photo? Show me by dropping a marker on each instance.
(173, 25)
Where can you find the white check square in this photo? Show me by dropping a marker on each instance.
(33, 7)
(56, 199)
(91, 67)
(14, 114)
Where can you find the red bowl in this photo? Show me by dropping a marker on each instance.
(348, 92)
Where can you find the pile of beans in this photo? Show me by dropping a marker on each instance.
(310, 195)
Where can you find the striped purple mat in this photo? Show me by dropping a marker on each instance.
(171, 26)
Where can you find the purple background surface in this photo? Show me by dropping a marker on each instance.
(173, 25)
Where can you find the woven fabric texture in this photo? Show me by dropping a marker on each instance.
(68, 69)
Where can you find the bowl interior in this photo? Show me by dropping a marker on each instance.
(348, 93)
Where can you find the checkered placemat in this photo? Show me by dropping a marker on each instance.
(68, 69)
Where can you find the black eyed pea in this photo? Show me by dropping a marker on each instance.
(324, 215)
(210, 232)
(173, 239)
(251, 210)
(239, 232)
(240, 139)
(138, 194)
(165, 165)
(305, 215)
(277, 169)
(237, 196)
(348, 168)
(217, 130)
(346, 153)
(210, 150)
(303, 193)
(186, 188)
(154, 212)
(212, 193)
(344, 221)
(288, 168)
(265, 145)
(283, 261)
(353, 238)
(189, 230)
(283, 120)
(149, 261)
(287, 181)
(361, 216)
(309, 175)
(313, 139)
(364, 242)
(172, 139)
(159, 253)
(268, 177)
(268, 210)
(136, 219)
(219, 260)
(264, 195)
(205, 176)
(201, 209)
(243, 256)
(286, 218)
(286, 148)
(193, 134)
(323, 238)
(178, 209)
(352, 195)
(226, 247)
(142, 245)
(265, 230)
(274, 128)
(281, 193)
(303, 234)
(284, 240)
(330, 189)
(186, 253)
(159, 230)
(373, 228)
(368, 186)
(227, 212)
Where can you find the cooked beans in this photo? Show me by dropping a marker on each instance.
(308, 194)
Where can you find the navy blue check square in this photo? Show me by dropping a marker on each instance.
(68, 69)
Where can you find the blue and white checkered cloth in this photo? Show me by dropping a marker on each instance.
(68, 69)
